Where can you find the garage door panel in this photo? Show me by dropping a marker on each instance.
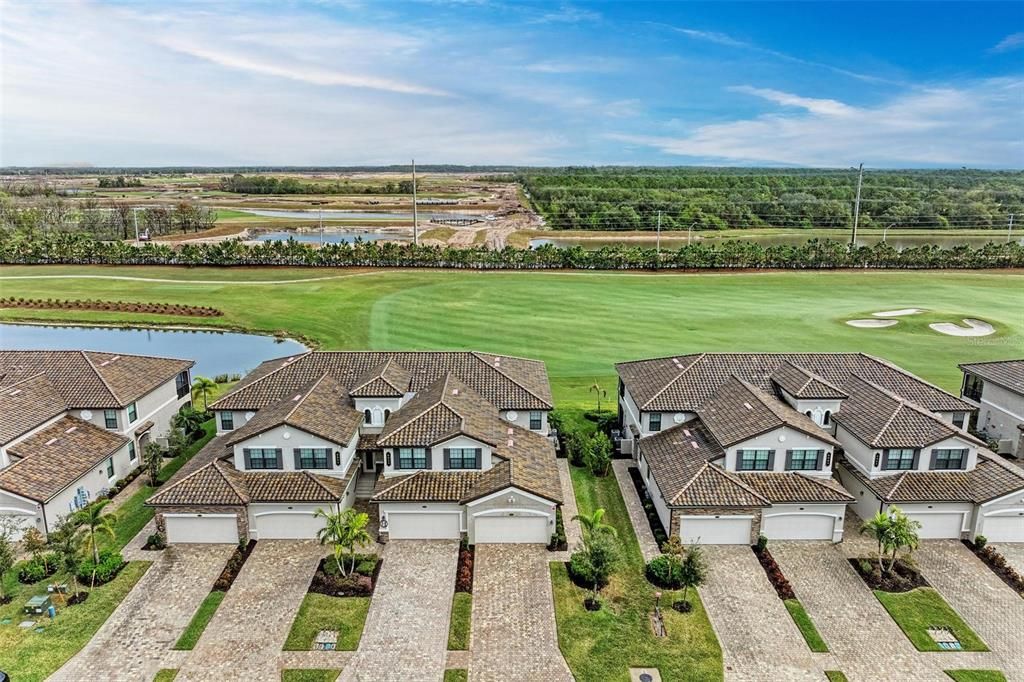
(1004, 528)
(424, 525)
(722, 530)
(798, 526)
(511, 529)
(287, 525)
(201, 529)
(938, 526)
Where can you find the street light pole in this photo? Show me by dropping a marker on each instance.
(886, 231)
(659, 235)
(856, 206)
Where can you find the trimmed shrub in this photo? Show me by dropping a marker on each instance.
(110, 564)
(33, 570)
(980, 541)
(664, 572)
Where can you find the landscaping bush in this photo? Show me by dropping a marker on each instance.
(464, 572)
(664, 572)
(37, 568)
(155, 541)
(367, 566)
(581, 572)
(774, 573)
(110, 564)
(762, 543)
(558, 542)
(233, 566)
(904, 576)
(329, 581)
(653, 520)
(997, 564)
(980, 541)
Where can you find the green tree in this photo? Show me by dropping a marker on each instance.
(34, 542)
(188, 419)
(8, 528)
(601, 393)
(597, 561)
(893, 531)
(693, 570)
(598, 453)
(594, 525)
(67, 545)
(153, 458)
(205, 388)
(344, 531)
(92, 523)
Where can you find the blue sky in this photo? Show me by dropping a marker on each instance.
(342, 82)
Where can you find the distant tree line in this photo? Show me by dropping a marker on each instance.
(119, 181)
(717, 198)
(267, 184)
(77, 248)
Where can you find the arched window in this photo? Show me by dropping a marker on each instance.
(387, 413)
(828, 418)
(367, 417)
(808, 413)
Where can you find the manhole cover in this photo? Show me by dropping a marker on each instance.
(646, 677)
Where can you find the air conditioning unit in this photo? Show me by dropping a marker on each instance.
(1005, 446)
(626, 446)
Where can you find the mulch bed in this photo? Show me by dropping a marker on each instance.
(352, 585)
(774, 573)
(464, 572)
(78, 598)
(903, 577)
(232, 567)
(657, 528)
(115, 306)
(997, 564)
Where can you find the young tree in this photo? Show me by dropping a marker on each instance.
(693, 571)
(601, 393)
(93, 523)
(204, 387)
(153, 458)
(67, 545)
(188, 419)
(593, 524)
(8, 528)
(34, 542)
(597, 560)
(345, 531)
(878, 528)
(599, 454)
(892, 530)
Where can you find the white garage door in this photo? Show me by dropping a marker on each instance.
(201, 528)
(798, 526)
(711, 530)
(423, 525)
(1004, 528)
(512, 529)
(938, 526)
(287, 525)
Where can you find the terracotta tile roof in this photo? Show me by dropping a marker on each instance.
(990, 479)
(792, 486)
(27, 404)
(426, 486)
(803, 383)
(387, 380)
(217, 483)
(713, 486)
(683, 383)
(368, 441)
(216, 449)
(321, 408)
(738, 411)
(57, 456)
(88, 379)
(881, 419)
(296, 486)
(506, 382)
(1006, 373)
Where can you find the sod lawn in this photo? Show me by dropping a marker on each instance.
(919, 609)
(461, 621)
(603, 645)
(319, 612)
(806, 626)
(579, 323)
(202, 617)
(309, 675)
(976, 675)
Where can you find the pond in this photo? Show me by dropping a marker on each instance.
(337, 214)
(330, 236)
(214, 352)
(675, 241)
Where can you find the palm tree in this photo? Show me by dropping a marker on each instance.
(345, 531)
(93, 522)
(204, 387)
(878, 528)
(893, 530)
(594, 523)
(601, 393)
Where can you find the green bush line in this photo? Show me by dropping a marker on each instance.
(78, 248)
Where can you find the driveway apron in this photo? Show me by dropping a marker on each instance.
(138, 634)
(406, 632)
(513, 636)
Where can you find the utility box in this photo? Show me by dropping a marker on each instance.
(37, 605)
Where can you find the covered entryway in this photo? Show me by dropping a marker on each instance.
(424, 525)
(938, 525)
(1006, 527)
(715, 530)
(201, 528)
(797, 524)
(512, 529)
(284, 524)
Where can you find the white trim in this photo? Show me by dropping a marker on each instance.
(199, 514)
(19, 511)
(1013, 511)
(30, 501)
(503, 491)
(836, 517)
(717, 516)
(462, 526)
(514, 511)
(1003, 497)
(278, 512)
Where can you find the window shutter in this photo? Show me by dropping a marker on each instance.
(917, 455)
(298, 463)
(279, 456)
(789, 460)
(886, 464)
(430, 464)
(247, 457)
(771, 460)
(935, 457)
(447, 458)
(479, 458)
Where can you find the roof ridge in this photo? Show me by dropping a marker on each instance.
(676, 378)
(181, 480)
(730, 477)
(92, 366)
(477, 354)
(897, 368)
(901, 478)
(690, 481)
(297, 357)
(400, 482)
(227, 479)
(303, 396)
(316, 479)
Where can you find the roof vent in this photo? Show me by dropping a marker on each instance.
(687, 432)
(511, 442)
(298, 396)
(455, 391)
(748, 406)
(510, 430)
(71, 429)
(15, 392)
(694, 444)
(51, 441)
(111, 360)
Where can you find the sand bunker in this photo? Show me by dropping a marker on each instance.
(974, 328)
(871, 324)
(898, 313)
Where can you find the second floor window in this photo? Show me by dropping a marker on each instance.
(262, 458)
(181, 384)
(412, 458)
(753, 460)
(973, 386)
(654, 421)
(804, 460)
(536, 420)
(312, 458)
(367, 417)
(133, 413)
(464, 458)
(900, 459)
(227, 421)
(110, 419)
(131, 451)
(949, 459)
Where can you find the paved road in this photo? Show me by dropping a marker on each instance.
(514, 637)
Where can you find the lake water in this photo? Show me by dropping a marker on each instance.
(330, 236)
(674, 242)
(214, 352)
(336, 214)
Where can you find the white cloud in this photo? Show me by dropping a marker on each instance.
(577, 65)
(568, 15)
(1014, 41)
(976, 125)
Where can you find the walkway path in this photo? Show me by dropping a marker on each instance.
(573, 532)
(648, 546)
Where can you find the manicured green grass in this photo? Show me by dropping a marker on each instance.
(836, 676)
(976, 675)
(922, 608)
(456, 675)
(202, 618)
(29, 656)
(603, 645)
(806, 626)
(318, 612)
(572, 321)
(166, 675)
(309, 675)
(462, 612)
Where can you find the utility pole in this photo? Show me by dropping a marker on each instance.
(659, 235)
(135, 219)
(415, 216)
(1009, 229)
(856, 206)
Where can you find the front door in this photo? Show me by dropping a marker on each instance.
(368, 460)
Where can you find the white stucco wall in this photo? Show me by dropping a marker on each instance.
(1011, 506)
(865, 503)
(288, 438)
(780, 440)
(1000, 413)
(523, 419)
(27, 513)
(863, 457)
(377, 407)
(94, 481)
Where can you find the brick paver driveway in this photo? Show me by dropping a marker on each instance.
(244, 639)
(139, 633)
(980, 597)
(514, 635)
(1014, 553)
(406, 632)
(759, 639)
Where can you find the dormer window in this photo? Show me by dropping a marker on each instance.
(949, 458)
(227, 421)
(900, 459)
(367, 417)
(387, 413)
